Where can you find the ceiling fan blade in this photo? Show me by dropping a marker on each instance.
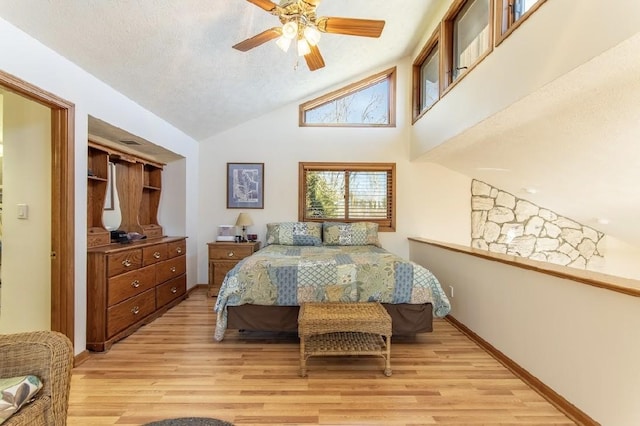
(314, 59)
(259, 39)
(350, 26)
(267, 5)
(312, 3)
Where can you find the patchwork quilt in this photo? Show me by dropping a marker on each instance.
(290, 275)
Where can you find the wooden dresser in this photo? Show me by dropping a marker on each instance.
(129, 285)
(223, 256)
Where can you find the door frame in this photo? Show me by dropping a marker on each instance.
(62, 200)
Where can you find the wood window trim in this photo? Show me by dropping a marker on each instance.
(387, 225)
(432, 43)
(501, 7)
(389, 74)
(447, 46)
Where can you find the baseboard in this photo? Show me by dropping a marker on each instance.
(196, 287)
(570, 410)
(80, 358)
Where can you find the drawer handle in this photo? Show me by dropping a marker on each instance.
(135, 310)
(135, 284)
(174, 290)
(179, 250)
(126, 263)
(230, 254)
(173, 269)
(156, 255)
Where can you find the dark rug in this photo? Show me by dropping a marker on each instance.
(190, 421)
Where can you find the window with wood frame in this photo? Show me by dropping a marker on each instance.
(347, 192)
(426, 76)
(366, 103)
(470, 35)
(511, 13)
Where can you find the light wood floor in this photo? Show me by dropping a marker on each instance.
(173, 368)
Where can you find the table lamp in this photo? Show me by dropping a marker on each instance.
(244, 220)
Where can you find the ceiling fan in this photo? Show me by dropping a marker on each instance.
(300, 23)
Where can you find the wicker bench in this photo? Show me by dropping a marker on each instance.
(344, 329)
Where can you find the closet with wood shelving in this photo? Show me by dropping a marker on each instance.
(128, 284)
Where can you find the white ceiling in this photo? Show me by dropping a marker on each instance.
(175, 59)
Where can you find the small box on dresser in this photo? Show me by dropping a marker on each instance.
(223, 256)
(130, 285)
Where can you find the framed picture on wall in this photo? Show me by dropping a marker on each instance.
(245, 185)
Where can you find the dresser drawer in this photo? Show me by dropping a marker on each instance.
(229, 252)
(170, 269)
(154, 254)
(129, 284)
(170, 290)
(177, 248)
(124, 262)
(130, 311)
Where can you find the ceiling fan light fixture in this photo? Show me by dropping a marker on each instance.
(303, 47)
(290, 30)
(283, 43)
(312, 35)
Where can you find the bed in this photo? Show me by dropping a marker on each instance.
(311, 262)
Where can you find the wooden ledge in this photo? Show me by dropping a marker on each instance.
(626, 286)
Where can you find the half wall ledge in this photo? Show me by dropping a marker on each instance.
(596, 279)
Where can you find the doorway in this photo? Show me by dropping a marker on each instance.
(62, 200)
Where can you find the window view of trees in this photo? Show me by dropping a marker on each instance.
(347, 192)
(367, 106)
(369, 102)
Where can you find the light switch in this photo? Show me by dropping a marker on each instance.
(23, 211)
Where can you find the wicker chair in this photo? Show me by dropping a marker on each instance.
(48, 355)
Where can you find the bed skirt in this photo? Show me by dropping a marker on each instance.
(406, 319)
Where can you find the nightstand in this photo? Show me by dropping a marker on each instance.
(223, 256)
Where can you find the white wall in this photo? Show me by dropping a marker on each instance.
(431, 201)
(29, 60)
(560, 36)
(620, 259)
(578, 339)
(26, 243)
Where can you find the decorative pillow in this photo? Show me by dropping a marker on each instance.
(350, 234)
(294, 233)
(16, 392)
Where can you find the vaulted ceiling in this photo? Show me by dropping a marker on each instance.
(574, 140)
(175, 58)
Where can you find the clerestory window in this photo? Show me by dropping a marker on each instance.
(366, 103)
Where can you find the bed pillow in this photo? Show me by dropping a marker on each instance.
(350, 234)
(16, 392)
(294, 233)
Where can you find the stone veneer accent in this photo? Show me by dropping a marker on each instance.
(503, 223)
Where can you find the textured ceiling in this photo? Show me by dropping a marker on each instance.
(175, 58)
(574, 140)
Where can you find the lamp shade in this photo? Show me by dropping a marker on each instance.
(244, 220)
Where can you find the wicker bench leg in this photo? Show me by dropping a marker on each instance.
(387, 369)
(303, 359)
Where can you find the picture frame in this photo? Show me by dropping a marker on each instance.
(108, 201)
(245, 185)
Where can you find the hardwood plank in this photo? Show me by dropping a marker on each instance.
(172, 367)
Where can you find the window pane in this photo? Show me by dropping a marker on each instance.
(429, 80)
(367, 106)
(470, 35)
(368, 193)
(325, 195)
(520, 7)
